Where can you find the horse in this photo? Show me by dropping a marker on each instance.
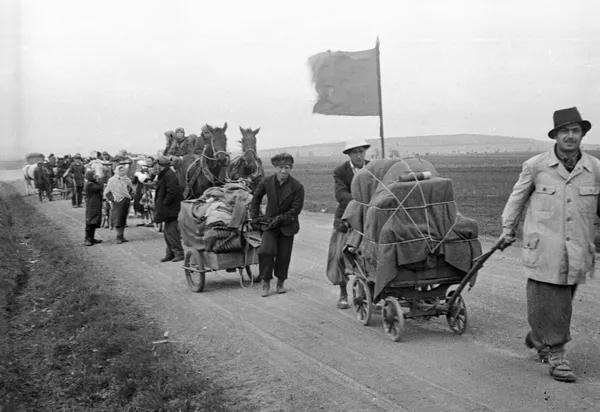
(248, 167)
(28, 174)
(196, 173)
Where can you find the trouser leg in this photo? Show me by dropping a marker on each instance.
(79, 193)
(283, 257)
(267, 253)
(173, 238)
(549, 310)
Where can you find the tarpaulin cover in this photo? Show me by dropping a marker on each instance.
(225, 206)
(192, 223)
(398, 223)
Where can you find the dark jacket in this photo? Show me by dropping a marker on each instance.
(342, 175)
(41, 177)
(168, 198)
(78, 170)
(93, 203)
(286, 209)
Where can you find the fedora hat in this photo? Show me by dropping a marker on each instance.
(564, 117)
(353, 144)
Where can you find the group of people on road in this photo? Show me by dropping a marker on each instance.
(556, 193)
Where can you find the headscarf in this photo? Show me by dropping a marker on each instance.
(120, 187)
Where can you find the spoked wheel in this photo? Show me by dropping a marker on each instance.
(393, 318)
(457, 316)
(196, 275)
(362, 300)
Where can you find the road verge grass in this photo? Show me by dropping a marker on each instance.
(67, 343)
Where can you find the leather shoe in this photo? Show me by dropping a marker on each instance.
(265, 286)
(177, 259)
(280, 289)
(560, 369)
(166, 259)
(96, 241)
(543, 352)
(342, 302)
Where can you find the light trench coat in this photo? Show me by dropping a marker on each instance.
(558, 231)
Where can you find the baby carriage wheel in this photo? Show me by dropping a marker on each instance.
(457, 315)
(393, 318)
(362, 300)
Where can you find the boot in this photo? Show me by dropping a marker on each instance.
(177, 258)
(560, 368)
(280, 289)
(343, 300)
(265, 285)
(166, 259)
(543, 351)
(87, 242)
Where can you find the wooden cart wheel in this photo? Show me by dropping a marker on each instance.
(195, 277)
(362, 300)
(457, 316)
(393, 318)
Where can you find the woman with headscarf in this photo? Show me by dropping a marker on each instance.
(140, 199)
(119, 192)
(93, 208)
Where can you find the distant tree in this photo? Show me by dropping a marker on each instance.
(297, 153)
(376, 153)
(310, 154)
(394, 153)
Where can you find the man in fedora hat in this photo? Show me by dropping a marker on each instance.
(356, 150)
(557, 191)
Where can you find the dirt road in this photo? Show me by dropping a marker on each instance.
(297, 352)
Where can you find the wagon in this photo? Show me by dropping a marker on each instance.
(198, 263)
(422, 290)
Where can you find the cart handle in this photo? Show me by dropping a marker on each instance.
(477, 264)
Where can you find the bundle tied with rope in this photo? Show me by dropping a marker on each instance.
(404, 214)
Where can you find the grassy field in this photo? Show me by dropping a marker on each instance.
(482, 183)
(67, 343)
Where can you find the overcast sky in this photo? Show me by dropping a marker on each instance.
(80, 75)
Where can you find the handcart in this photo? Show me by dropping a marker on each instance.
(198, 263)
(419, 290)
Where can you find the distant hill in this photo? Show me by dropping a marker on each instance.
(438, 144)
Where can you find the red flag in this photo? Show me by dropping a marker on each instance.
(346, 83)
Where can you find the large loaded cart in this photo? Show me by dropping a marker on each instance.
(212, 243)
(408, 246)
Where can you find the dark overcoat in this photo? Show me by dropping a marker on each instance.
(41, 177)
(288, 206)
(93, 203)
(78, 170)
(168, 198)
(342, 175)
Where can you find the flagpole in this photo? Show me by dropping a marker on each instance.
(380, 100)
